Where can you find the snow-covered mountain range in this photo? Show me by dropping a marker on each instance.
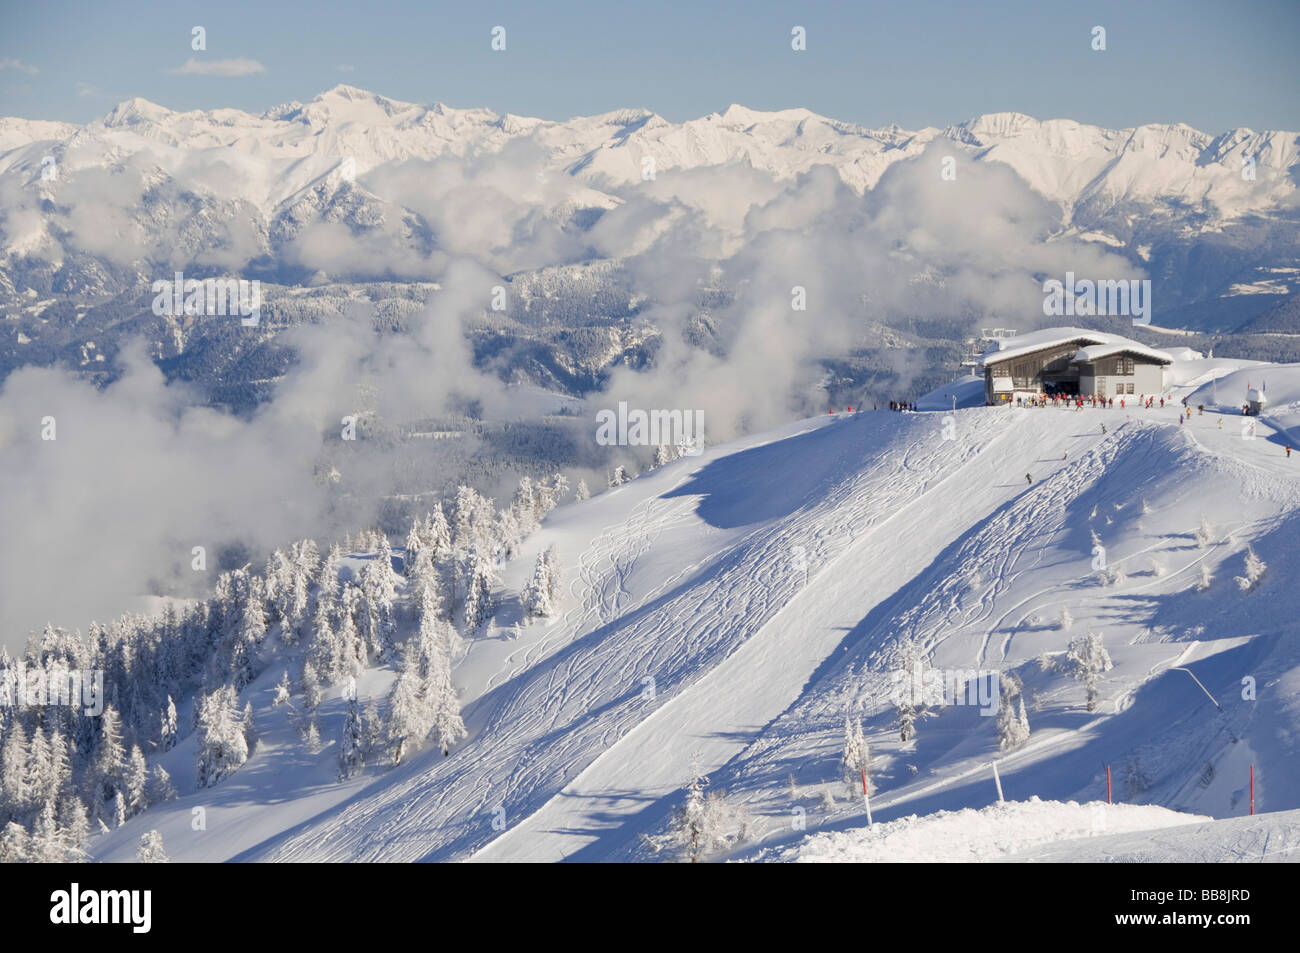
(1206, 215)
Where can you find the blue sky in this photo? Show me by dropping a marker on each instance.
(1214, 65)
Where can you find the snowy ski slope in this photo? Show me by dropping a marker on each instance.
(730, 608)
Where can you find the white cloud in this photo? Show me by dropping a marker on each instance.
(238, 66)
(8, 62)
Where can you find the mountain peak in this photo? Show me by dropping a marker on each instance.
(737, 115)
(136, 110)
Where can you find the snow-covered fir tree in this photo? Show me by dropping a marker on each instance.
(1013, 720)
(1088, 660)
(855, 758)
(543, 588)
(409, 719)
(1254, 571)
(151, 849)
(106, 766)
(351, 748)
(909, 696)
(413, 546)
(160, 789)
(480, 576)
(222, 743)
(168, 727)
(283, 691)
(706, 822)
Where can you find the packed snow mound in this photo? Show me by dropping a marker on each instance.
(969, 392)
(1264, 838)
(977, 836)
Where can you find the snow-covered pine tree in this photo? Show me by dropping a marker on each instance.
(249, 726)
(409, 719)
(160, 789)
(74, 827)
(311, 687)
(481, 576)
(327, 579)
(325, 652)
(283, 691)
(351, 747)
(692, 831)
(1204, 578)
(1088, 660)
(151, 849)
(909, 699)
(583, 492)
(222, 744)
(15, 844)
(537, 594)
(46, 845)
(436, 533)
(706, 821)
(525, 506)
(444, 705)
(378, 588)
(279, 586)
(413, 546)
(555, 490)
(135, 781)
(1204, 533)
(104, 774)
(1254, 571)
(472, 520)
(1012, 721)
(40, 770)
(311, 734)
(14, 798)
(168, 728)
(351, 646)
(554, 572)
(507, 534)
(855, 757)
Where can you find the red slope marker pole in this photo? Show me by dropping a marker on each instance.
(1108, 800)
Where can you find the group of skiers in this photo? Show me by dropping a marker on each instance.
(901, 405)
(1078, 401)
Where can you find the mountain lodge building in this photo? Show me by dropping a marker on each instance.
(1069, 362)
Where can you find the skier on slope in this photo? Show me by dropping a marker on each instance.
(1029, 479)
